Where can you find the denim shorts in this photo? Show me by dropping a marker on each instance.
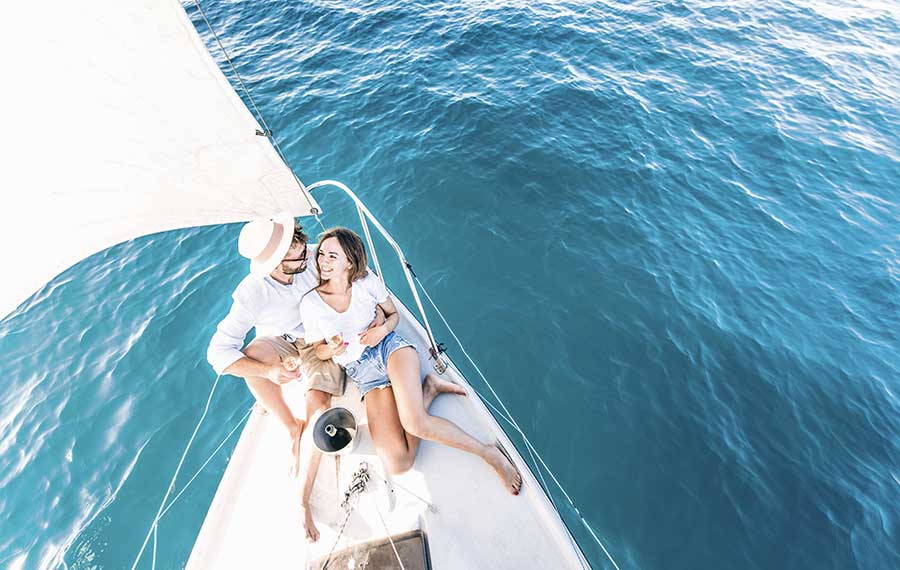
(370, 370)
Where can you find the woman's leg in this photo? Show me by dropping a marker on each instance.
(404, 372)
(395, 445)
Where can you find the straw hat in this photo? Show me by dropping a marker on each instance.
(265, 242)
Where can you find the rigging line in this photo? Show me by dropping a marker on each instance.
(544, 486)
(469, 358)
(543, 481)
(572, 504)
(259, 116)
(494, 408)
(531, 451)
(388, 533)
(430, 506)
(508, 417)
(534, 461)
(512, 422)
(155, 531)
(528, 448)
(187, 448)
(205, 463)
(340, 533)
(318, 219)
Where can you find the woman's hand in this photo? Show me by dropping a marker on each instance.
(334, 346)
(373, 335)
(337, 345)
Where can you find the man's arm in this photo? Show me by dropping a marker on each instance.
(373, 335)
(225, 355)
(249, 367)
(379, 318)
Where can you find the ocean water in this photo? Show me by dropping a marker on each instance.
(666, 231)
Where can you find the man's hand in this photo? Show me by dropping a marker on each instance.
(379, 318)
(312, 533)
(278, 374)
(373, 335)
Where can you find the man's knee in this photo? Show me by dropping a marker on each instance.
(326, 368)
(262, 352)
(317, 400)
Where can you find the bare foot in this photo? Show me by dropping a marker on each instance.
(435, 385)
(312, 533)
(505, 468)
(295, 435)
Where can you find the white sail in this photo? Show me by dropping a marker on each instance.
(118, 124)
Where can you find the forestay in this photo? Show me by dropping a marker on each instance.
(117, 124)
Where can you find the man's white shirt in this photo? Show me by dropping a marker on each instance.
(272, 308)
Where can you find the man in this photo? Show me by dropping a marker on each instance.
(282, 270)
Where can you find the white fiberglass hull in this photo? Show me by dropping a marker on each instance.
(255, 521)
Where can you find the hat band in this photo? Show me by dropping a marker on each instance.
(270, 248)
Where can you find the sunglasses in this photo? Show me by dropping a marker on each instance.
(301, 258)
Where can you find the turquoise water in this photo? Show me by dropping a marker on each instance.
(668, 232)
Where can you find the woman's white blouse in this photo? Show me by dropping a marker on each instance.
(321, 322)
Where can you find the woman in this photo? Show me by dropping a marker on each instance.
(384, 366)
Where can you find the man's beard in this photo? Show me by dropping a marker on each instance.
(293, 271)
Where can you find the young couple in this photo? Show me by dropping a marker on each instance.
(319, 304)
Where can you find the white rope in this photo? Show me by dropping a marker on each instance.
(430, 506)
(509, 419)
(155, 533)
(388, 533)
(531, 452)
(175, 475)
(321, 225)
(528, 448)
(205, 463)
(340, 533)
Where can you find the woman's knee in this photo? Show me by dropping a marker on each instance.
(398, 464)
(417, 424)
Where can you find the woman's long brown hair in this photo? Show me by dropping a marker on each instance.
(353, 248)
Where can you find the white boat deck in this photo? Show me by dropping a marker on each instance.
(255, 520)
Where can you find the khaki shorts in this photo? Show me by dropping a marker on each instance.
(322, 375)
